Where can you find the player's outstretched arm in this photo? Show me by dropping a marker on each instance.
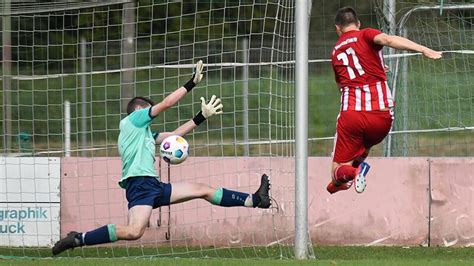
(178, 94)
(401, 43)
(213, 107)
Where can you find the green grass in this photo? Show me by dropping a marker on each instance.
(325, 255)
(239, 262)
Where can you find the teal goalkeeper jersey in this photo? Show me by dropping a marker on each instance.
(137, 146)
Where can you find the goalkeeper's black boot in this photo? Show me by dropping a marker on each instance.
(262, 197)
(72, 240)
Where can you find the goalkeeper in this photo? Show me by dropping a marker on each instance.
(144, 190)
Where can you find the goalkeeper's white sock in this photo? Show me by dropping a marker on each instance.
(249, 201)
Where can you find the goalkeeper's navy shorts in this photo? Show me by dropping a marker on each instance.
(358, 131)
(147, 190)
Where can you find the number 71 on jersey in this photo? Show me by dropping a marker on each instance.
(345, 61)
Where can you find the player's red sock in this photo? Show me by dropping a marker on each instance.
(344, 173)
(357, 161)
(331, 188)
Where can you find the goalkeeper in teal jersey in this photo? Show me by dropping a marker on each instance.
(144, 190)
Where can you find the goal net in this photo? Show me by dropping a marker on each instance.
(67, 72)
(434, 114)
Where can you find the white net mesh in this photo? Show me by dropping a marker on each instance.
(435, 98)
(97, 58)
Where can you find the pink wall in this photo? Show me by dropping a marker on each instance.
(453, 201)
(394, 208)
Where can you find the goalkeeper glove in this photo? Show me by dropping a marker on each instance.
(214, 107)
(197, 76)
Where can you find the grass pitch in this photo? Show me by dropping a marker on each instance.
(327, 255)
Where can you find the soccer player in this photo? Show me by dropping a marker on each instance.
(366, 114)
(144, 190)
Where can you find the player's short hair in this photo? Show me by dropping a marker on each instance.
(345, 16)
(138, 101)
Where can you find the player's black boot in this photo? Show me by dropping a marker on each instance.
(72, 240)
(261, 195)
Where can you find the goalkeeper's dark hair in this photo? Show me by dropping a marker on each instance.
(345, 16)
(138, 101)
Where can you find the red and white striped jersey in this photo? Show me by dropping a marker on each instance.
(366, 98)
(359, 70)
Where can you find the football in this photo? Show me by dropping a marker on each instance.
(174, 149)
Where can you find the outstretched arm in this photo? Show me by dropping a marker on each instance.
(178, 94)
(181, 131)
(207, 110)
(398, 42)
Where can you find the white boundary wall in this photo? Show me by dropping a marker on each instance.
(29, 201)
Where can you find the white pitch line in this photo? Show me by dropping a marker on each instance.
(378, 241)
